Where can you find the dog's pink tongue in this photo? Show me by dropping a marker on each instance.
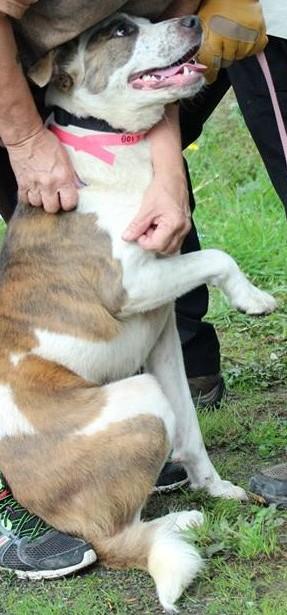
(173, 70)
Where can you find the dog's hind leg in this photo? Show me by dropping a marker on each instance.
(166, 363)
(82, 446)
(93, 455)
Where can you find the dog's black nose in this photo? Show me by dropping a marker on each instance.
(190, 21)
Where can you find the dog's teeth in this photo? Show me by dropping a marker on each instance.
(185, 70)
(153, 77)
(146, 77)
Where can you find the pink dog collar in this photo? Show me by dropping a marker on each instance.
(95, 144)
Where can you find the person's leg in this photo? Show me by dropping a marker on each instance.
(199, 340)
(253, 97)
(255, 103)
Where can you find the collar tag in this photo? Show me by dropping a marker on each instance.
(95, 144)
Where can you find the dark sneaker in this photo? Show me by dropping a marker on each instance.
(34, 550)
(207, 392)
(172, 477)
(271, 485)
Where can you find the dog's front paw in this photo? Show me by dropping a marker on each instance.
(226, 489)
(253, 301)
(189, 518)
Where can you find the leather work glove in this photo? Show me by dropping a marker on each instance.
(233, 29)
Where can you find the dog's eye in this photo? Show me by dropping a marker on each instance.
(122, 30)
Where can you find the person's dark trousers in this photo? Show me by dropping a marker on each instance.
(254, 100)
(253, 97)
(8, 187)
(200, 345)
(201, 350)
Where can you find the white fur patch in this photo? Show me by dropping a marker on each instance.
(16, 357)
(139, 395)
(12, 421)
(103, 361)
(173, 563)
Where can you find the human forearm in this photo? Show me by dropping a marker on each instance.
(19, 118)
(164, 218)
(166, 147)
(41, 166)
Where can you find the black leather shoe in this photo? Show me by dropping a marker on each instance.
(207, 392)
(271, 485)
(172, 477)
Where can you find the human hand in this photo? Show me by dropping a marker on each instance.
(180, 8)
(163, 220)
(43, 172)
(232, 31)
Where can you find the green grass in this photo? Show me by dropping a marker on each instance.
(231, 530)
(244, 545)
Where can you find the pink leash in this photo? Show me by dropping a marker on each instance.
(94, 144)
(261, 57)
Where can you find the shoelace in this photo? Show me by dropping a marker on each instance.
(17, 519)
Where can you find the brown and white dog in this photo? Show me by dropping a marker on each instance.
(81, 311)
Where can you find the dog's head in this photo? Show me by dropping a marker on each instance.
(124, 70)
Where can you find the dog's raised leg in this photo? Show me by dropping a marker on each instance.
(165, 279)
(166, 363)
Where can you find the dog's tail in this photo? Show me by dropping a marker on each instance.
(159, 547)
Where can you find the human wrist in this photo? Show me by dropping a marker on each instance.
(165, 141)
(23, 136)
(170, 168)
(19, 118)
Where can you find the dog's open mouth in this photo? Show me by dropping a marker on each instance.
(184, 71)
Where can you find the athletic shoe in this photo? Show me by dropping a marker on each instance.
(172, 477)
(207, 392)
(32, 549)
(271, 485)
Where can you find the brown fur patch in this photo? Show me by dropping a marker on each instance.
(53, 399)
(58, 272)
(107, 52)
(92, 486)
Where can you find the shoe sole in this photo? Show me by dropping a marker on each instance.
(172, 487)
(89, 558)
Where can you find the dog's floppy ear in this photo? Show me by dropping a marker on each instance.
(41, 72)
(47, 69)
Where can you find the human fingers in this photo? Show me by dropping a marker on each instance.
(140, 225)
(157, 241)
(173, 246)
(23, 195)
(68, 197)
(51, 201)
(34, 197)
